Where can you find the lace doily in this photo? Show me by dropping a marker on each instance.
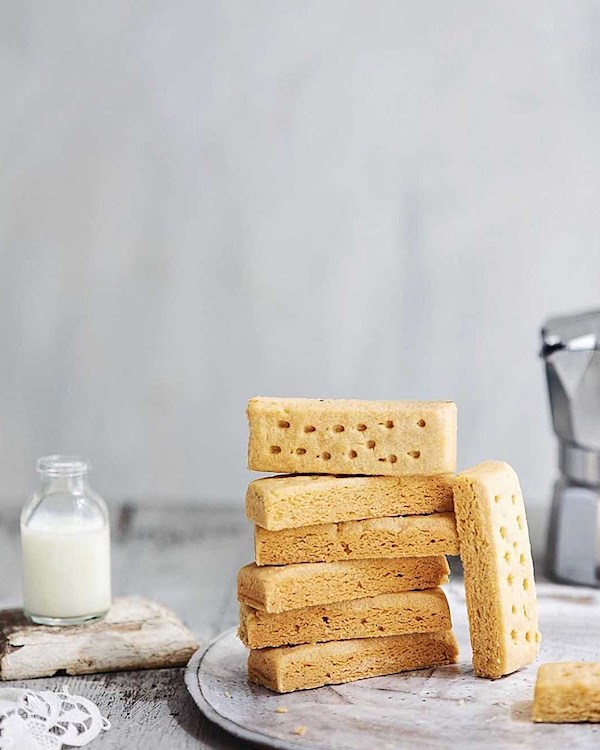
(46, 721)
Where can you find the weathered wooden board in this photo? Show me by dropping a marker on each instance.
(447, 707)
(185, 556)
(136, 634)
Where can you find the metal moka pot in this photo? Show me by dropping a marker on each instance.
(571, 350)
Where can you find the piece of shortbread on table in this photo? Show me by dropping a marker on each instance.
(283, 587)
(400, 536)
(567, 692)
(286, 502)
(337, 436)
(387, 614)
(312, 665)
(496, 556)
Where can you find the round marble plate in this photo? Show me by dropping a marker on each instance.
(431, 708)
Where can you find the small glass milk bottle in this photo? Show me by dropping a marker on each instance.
(65, 542)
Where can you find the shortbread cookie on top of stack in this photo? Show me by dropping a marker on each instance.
(347, 568)
(338, 436)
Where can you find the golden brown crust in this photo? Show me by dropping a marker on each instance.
(337, 436)
(312, 665)
(372, 617)
(567, 692)
(281, 588)
(285, 502)
(402, 536)
(499, 580)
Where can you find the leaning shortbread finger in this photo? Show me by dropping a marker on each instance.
(337, 436)
(499, 582)
(286, 502)
(312, 665)
(278, 588)
(373, 617)
(567, 692)
(400, 536)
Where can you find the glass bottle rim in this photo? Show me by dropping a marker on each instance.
(62, 466)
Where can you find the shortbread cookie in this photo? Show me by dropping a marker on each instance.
(278, 588)
(499, 582)
(377, 616)
(401, 536)
(312, 665)
(567, 692)
(286, 502)
(335, 436)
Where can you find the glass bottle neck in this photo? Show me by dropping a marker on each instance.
(73, 485)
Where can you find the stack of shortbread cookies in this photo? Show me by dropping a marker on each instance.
(350, 545)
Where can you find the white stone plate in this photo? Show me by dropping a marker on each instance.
(432, 708)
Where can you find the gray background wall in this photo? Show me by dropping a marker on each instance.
(204, 201)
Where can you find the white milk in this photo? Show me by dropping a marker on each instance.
(66, 568)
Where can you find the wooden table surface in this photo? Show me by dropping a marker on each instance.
(184, 556)
(187, 557)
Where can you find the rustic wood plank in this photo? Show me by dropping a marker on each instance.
(185, 557)
(149, 710)
(136, 634)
